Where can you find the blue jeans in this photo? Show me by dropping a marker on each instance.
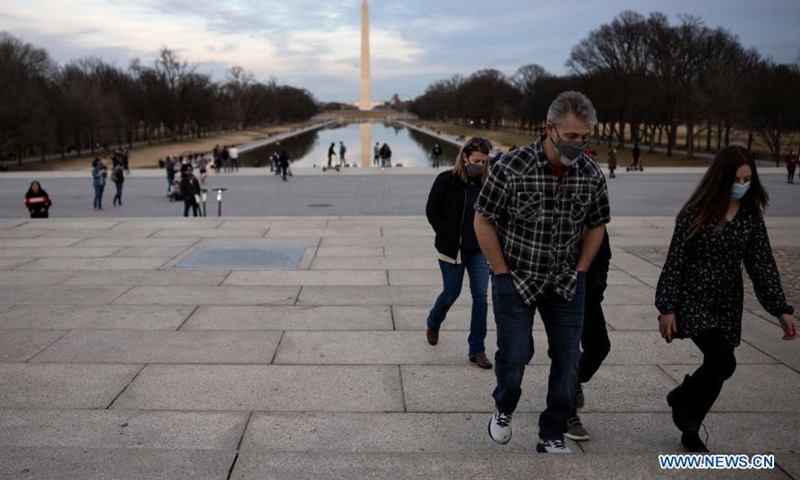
(98, 196)
(189, 203)
(563, 323)
(118, 196)
(436, 160)
(453, 277)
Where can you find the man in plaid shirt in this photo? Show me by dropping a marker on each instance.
(541, 219)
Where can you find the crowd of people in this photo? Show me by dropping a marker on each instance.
(535, 224)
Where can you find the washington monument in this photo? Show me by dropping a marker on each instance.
(366, 94)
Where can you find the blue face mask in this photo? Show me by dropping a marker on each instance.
(739, 190)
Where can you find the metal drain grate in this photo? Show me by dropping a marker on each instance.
(243, 258)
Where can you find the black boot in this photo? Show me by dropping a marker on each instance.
(681, 414)
(693, 443)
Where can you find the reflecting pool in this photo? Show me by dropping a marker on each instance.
(409, 147)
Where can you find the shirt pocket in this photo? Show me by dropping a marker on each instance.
(530, 206)
(580, 205)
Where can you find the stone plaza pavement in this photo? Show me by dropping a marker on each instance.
(116, 365)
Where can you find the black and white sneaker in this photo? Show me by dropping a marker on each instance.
(552, 446)
(500, 427)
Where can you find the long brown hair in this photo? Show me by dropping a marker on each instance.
(713, 194)
(475, 144)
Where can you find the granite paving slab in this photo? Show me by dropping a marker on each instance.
(32, 279)
(385, 348)
(35, 386)
(371, 295)
(8, 242)
(209, 296)
(131, 429)
(114, 464)
(146, 278)
(375, 263)
(69, 295)
(22, 345)
(57, 252)
(290, 318)
(112, 263)
(280, 388)
(152, 346)
(132, 317)
(307, 277)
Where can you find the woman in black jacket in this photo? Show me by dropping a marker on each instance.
(37, 201)
(451, 211)
(190, 190)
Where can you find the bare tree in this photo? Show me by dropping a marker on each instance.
(240, 87)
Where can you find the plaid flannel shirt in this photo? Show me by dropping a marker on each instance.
(540, 219)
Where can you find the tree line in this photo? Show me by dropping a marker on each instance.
(648, 78)
(74, 108)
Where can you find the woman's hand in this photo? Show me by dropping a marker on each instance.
(667, 325)
(789, 329)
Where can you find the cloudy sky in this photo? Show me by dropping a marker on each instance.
(315, 44)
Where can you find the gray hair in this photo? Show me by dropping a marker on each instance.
(575, 103)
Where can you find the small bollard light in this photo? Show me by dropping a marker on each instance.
(219, 191)
(204, 196)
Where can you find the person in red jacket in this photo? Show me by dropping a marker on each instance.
(791, 164)
(37, 201)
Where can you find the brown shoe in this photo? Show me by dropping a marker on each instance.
(433, 337)
(481, 361)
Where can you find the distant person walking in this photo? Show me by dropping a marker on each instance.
(125, 160)
(451, 213)
(700, 293)
(386, 155)
(284, 164)
(203, 163)
(791, 165)
(118, 177)
(376, 154)
(37, 201)
(331, 154)
(99, 175)
(275, 159)
(234, 155)
(225, 156)
(612, 162)
(190, 190)
(216, 154)
(342, 151)
(436, 155)
(636, 154)
(170, 168)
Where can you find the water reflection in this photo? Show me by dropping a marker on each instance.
(409, 148)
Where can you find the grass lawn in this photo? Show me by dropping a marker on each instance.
(504, 140)
(147, 156)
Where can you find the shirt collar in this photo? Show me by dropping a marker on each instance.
(539, 158)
